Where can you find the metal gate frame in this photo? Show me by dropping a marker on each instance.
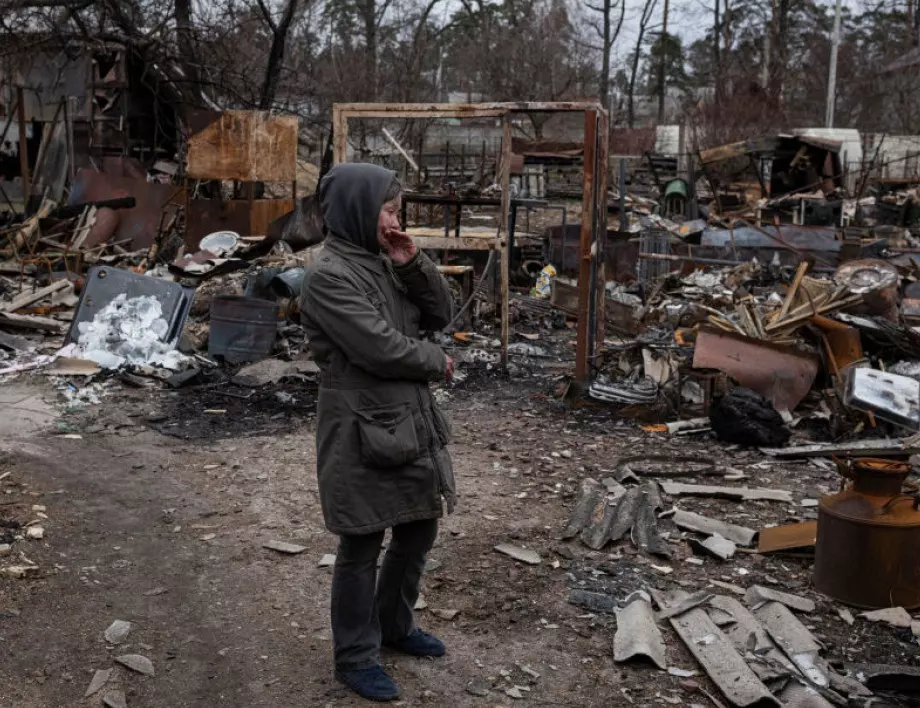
(591, 278)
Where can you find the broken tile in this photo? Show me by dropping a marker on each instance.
(118, 632)
(846, 615)
(447, 615)
(589, 493)
(678, 489)
(327, 561)
(521, 554)
(479, 688)
(284, 547)
(99, 680)
(716, 546)
(136, 662)
(35, 533)
(701, 524)
(638, 635)
(895, 616)
(115, 699)
(758, 595)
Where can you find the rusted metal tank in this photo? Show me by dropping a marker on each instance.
(868, 548)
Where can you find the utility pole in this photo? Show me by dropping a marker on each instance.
(832, 73)
(661, 67)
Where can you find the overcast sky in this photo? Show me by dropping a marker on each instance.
(691, 19)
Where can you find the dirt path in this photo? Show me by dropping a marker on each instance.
(157, 512)
(167, 534)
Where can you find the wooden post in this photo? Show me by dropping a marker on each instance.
(582, 353)
(603, 138)
(23, 149)
(502, 243)
(68, 127)
(340, 135)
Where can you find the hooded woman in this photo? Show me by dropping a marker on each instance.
(382, 459)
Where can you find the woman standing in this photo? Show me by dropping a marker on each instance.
(382, 459)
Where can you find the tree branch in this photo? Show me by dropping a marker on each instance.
(267, 14)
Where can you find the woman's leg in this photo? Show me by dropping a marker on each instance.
(400, 575)
(355, 624)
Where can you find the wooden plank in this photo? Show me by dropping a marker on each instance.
(248, 146)
(26, 299)
(501, 241)
(44, 324)
(603, 137)
(585, 262)
(464, 243)
(339, 134)
(23, 149)
(788, 537)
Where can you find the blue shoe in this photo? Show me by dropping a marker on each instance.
(419, 643)
(372, 683)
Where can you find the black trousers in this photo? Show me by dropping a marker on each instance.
(367, 611)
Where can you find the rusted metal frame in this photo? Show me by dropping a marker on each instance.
(503, 241)
(23, 152)
(582, 351)
(603, 138)
(461, 110)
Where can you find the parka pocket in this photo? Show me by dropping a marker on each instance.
(442, 426)
(388, 437)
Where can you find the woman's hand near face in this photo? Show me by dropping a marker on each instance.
(399, 246)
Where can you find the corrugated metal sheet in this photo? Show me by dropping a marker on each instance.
(849, 139)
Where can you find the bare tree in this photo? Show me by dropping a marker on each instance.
(279, 30)
(608, 33)
(644, 21)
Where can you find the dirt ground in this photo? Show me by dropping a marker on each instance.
(158, 505)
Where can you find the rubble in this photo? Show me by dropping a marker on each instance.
(100, 678)
(136, 662)
(284, 547)
(524, 555)
(895, 616)
(757, 596)
(637, 633)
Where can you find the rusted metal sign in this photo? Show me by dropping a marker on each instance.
(248, 146)
(783, 376)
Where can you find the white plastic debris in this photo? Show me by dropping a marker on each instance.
(128, 332)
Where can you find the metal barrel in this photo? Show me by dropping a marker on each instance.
(866, 553)
(242, 328)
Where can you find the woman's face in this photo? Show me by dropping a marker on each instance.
(389, 217)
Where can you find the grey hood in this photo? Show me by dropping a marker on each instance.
(351, 196)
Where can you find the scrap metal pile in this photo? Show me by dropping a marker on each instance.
(77, 306)
(834, 354)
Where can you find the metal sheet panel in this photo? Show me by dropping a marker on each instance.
(139, 224)
(205, 216)
(248, 146)
(782, 375)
